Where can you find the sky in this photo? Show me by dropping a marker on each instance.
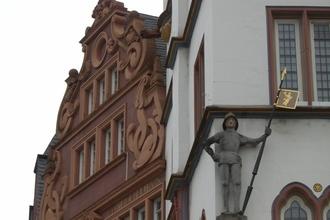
(39, 45)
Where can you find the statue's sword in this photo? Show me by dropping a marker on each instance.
(279, 97)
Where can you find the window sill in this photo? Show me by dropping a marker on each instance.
(321, 104)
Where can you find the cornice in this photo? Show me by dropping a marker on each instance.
(211, 112)
(184, 41)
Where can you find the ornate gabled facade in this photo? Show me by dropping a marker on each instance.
(106, 160)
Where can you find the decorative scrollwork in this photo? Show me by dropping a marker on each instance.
(53, 198)
(146, 139)
(69, 106)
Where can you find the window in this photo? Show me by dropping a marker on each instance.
(114, 81)
(321, 59)
(81, 165)
(92, 157)
(199, 86)
(107, 145)
(288, 50)
(295, 212)
(295, 209)
(299, 39)
(86, 160)
(111, 134)
(101, 86)
(328, 215)
(141, 214)
(120, 136)
(157, 209)
(90, 100)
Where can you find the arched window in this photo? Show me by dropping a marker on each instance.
(295, 212)
(295, 209)
(296, 202)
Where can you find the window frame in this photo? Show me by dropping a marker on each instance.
(298, 52)
(304, 15)
(300, 202)
(120, 134)
(315, 88)
(101, 95)
(111, 122)
(155, 211)
(81, 161)
(114, 77)
(92, 156)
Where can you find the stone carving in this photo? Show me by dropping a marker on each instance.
(226, 156)
(53, 198)
(146, 139)
(69, 106)
(135, 52)
(104, 7)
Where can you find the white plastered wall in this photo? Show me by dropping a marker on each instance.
(240, 50)
(236, 71)
(297, 151)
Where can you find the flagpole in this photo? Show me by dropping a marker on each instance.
(257, 164)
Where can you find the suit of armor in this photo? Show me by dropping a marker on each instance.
(227, 143)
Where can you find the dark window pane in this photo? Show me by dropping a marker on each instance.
(322, 60)
(295, 212)
(287, 54)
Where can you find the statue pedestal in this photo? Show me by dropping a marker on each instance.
(229, 216)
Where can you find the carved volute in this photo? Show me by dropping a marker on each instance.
(55, 189)
(146, 139)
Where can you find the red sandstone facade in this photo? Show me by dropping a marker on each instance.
(106, 160)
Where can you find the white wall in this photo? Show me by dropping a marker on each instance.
(236, 73)
(297, 151)
(240, 50)
(202, 191)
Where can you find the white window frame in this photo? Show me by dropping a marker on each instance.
(315, 98)
(101, 85)
(155, 210)
(114, 81)
(90, 101)
(298, 57)
(107, 145)
(302, 205)
(141, 213)
(81, 166)
(92, 156)
(120, 136)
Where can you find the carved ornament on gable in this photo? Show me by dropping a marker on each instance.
(146, 138)
(55, 189)
(69, 105)
(125, 39)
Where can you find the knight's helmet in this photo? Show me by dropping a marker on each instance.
(227, 116)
